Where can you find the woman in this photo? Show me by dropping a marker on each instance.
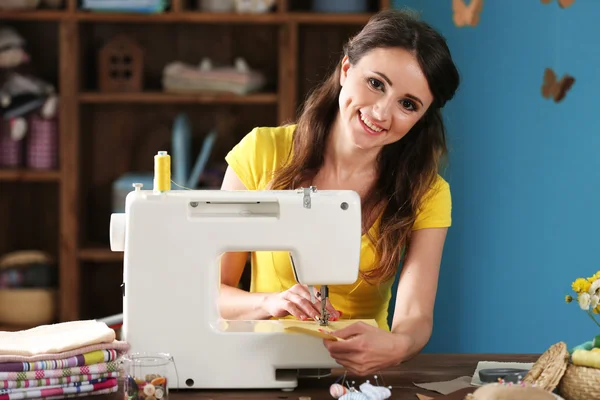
(374, 126)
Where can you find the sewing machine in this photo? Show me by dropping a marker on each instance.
(172, 241)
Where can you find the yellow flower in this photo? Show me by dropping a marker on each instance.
(581, 285)
(594, 277)
(568, 299)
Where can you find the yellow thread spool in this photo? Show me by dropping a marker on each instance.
(162, 171)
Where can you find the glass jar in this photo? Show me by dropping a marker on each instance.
(146, 375)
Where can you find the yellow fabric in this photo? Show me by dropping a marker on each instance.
(266, 149)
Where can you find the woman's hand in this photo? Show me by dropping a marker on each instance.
(366, 349)
(296, 301)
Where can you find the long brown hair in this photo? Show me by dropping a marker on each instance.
(408, 167)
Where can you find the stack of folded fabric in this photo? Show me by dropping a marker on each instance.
(70, 359)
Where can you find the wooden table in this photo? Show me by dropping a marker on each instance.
(423, 368)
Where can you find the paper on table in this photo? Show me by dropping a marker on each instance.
(475, 381)
(446, 387)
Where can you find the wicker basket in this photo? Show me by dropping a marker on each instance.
(580, 383)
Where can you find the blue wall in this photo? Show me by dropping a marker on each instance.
(524, 175)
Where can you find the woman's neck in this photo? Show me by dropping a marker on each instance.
(343, 160)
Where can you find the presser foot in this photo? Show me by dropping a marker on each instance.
(323, 320)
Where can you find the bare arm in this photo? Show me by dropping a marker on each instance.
(417, 288)
(235, 303)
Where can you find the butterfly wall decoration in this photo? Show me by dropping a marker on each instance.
(561, 3)
(554, 88)
(466, 15)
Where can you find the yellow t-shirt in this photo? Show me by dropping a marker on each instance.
(254, 159)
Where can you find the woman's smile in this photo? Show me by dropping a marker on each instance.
(369, 126)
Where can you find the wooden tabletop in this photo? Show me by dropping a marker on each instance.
(423, 368)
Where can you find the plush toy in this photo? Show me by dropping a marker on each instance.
(21, 93)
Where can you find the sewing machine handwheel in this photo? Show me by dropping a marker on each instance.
(117, 232)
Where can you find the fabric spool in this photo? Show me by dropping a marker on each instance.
(11, 151)
(162, 171)
(42, 143)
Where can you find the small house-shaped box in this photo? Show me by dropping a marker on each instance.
(121, 65)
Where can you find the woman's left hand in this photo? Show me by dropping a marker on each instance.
(366, 349)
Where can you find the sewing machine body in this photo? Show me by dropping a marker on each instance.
(172, 242)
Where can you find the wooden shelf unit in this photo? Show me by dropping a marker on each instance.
(103, 135)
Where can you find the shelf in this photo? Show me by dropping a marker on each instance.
(189, 17)
(173, 98)
(25, 175)
(219, 18)
(313, 18)
(33, 15)
(99, 254)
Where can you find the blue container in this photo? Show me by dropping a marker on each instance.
(340, 6)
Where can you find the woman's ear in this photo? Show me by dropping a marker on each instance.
(344, 70)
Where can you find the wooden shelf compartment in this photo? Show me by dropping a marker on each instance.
(124, 138)
(101, 293)
(29, 215)
(41, 37)
(176, 98)
(189, 44)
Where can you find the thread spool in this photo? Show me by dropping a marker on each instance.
(162, 171)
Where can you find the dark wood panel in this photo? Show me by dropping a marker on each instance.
(101, 294)
(124, 138)
(29, 215)
(69, 160)
(320, 47)
(165, 43)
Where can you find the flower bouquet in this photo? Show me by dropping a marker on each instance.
(581, 379)
(588, 295)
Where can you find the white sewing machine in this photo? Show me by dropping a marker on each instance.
(172, 242)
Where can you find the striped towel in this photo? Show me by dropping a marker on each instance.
(85, 359)
(76, 389)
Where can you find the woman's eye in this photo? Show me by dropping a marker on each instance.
(376, 84)
(409, 105)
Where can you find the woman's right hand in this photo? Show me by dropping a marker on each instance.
(296, 301)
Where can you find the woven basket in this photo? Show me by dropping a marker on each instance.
(580, 383)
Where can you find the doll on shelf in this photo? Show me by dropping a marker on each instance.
(20, 92)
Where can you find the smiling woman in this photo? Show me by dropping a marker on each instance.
(375, 127)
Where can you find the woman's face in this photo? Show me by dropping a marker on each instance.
(382, 97)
